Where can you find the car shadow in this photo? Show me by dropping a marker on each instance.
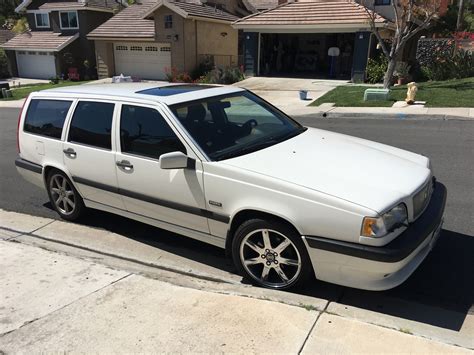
(443, 280)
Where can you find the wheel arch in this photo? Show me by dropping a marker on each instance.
(50, 167)
(248, 214)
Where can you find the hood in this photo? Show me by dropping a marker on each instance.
(363, 172)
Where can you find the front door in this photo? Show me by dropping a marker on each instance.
(89, 155)
(173, 196)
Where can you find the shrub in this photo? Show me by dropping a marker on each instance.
(175, 76)
(376, 69)
(4, 72)
(225, 76)
(457, 66)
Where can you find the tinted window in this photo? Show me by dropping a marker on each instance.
(46, 117)
(92, 124)
(143, 131)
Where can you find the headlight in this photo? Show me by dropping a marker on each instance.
(377, 227)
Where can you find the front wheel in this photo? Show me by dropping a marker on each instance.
(64, 197)
(271, 254)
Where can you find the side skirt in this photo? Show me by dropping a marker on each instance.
(203, 237)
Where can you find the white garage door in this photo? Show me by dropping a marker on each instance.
(142, 60)
(37, 65)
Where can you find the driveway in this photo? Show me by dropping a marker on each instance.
(284, 92)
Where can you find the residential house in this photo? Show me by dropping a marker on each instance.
(297, 37)
(147, 39)
(5, 35)
(319, 38)
(56, 42)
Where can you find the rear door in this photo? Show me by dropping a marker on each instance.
(89, 152)
(173, 196)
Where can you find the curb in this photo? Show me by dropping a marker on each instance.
(12, 103)
(384, 116)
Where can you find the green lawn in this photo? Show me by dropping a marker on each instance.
(23, 91)
(451, 93)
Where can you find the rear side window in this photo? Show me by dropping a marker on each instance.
(92, 124)
(144, 132)
(46, 117)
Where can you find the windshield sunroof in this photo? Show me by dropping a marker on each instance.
(174, 90)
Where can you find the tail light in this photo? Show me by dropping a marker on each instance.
(18, 128)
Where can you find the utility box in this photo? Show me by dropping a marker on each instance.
(377, 95)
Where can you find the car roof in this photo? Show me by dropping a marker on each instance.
(164, 92)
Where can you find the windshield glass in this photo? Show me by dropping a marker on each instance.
(232, 125)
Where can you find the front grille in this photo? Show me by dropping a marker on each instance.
(421, 199)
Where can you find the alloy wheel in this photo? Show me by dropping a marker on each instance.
(62, 194)
(270, 258)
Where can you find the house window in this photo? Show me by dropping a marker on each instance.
(151, 49)
(383, 2)
(136, 48)
(42, 20)
(165, 49)
(68, 20)
(168, 21)
(121, 48)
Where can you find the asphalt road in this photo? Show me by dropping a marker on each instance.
(444, 279)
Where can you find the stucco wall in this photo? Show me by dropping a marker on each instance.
(219, 40)
(105, 59)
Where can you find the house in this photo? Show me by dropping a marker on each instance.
(152, 36)
(5, 35)
(57, 38)
(296, 38)
(262, 5)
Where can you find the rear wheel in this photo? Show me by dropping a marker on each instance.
(64, 197)
(271, 254)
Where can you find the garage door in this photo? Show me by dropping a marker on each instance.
(37, 65)
(142, 60)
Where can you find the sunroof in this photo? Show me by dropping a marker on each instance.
(174, 90)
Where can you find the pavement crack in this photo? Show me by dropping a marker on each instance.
(312, 327)
(24, 233)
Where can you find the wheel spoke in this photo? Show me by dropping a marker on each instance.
(282, 246)
(281, 273)
(69, 202)
(266, 239)
(290, 262)
(55, 190)
(56, 181)
(254, 247)
(254, 261)
(69, 193)
(65, 206)
(265, 272)
(64, 184)
(58, 200)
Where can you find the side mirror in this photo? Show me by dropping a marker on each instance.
(174, 160)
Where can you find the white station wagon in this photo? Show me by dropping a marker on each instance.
(221, 165)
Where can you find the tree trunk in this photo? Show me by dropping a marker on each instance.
(460, 15)
(389, 73)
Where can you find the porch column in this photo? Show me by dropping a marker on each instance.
(361, 53)
(251, 53)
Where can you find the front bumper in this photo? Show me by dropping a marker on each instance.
(379, 268)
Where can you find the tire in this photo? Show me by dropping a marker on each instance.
(271, 254)
(64, 197)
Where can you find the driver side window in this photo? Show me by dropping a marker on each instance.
(144, 132)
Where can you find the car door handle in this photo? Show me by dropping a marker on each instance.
(125, 165)
(70, 152)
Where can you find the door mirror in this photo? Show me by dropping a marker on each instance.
(174, 160)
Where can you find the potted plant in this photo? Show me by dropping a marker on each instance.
(402, 72)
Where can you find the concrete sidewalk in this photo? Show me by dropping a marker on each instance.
(54, 301)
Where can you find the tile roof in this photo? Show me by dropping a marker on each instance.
(77, 5)
(132, 23)
(39, 40)
(5, 35)
(340, 12)
(205, 11)
(128, 23)
(263, 4)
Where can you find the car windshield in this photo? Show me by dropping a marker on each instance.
(232, 125)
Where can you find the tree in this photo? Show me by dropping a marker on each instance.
(460, 15)
(410, 18)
